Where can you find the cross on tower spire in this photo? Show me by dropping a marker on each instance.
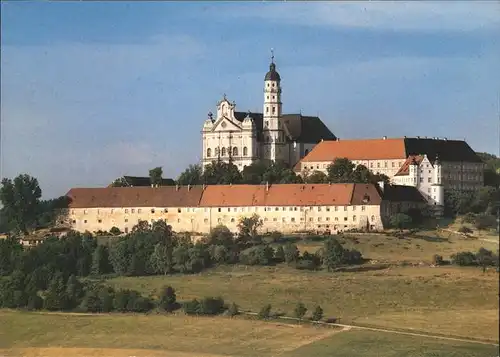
(272, 55)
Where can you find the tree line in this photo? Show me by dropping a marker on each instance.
(47, 275)
(219, 172)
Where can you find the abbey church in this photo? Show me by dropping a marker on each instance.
(244, 137)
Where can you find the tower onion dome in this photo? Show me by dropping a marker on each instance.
(272, 75)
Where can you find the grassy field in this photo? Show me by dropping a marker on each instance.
(443, 300)
(69, 335)
(420, 247)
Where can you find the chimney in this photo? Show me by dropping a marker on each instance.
(189, 187)
(152, 185)
(267, 185)
(177, 187)
(385, 137)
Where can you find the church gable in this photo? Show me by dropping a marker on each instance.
(224, 124)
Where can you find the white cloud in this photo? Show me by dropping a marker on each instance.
(384, 15)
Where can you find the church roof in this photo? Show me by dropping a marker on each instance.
(272, 75)
(303, 129)
(146, 181)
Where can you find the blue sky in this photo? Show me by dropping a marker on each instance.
(94, 90)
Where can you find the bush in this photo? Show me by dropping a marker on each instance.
(317, 314)
(465, 230)
(192, 307)
(233, 310)
(35, 302)
(276, 236)
(168, 299)
(306, 264)
(463, 259)
(437, 259)
(300, 310)
(265, 312)
(207, 306)
(484, 221)
(259, 255)
(115, 231)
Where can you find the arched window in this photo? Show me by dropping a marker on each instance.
(223, 152)
(209, 152)
(245, 151)
(235, 151)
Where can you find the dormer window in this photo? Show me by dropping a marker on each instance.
(366, 199)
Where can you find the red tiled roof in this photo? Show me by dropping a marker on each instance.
(367, 149)
(166, 196)
(225, 196)
(405, 168)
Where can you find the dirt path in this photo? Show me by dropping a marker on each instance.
(348, 327)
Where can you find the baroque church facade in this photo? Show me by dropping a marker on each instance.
(245, 137)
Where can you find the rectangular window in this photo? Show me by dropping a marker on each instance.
(132, 210)
(166, 210)
(276, 208)
(319, 219)
(152, 210)
(345, 218)
(126, 220)
(84, 221)
(345, 208)
(274, 110)
(275, 219)
(336, 208)
(354, 218)
(219, 209)
(126, 210)
(178, 210)
(292, 219)
(429, 179)
(328, 209)
(327, 218)
(99, 221)
(354, 208)
(336, 218)
(319, 209)
(283, 219)
(363, 208)
(74, 221)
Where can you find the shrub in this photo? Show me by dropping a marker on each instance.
(35, 302)
(168, 300)
(276, 236)
(115, 231)
(192, 307)
(259, 255)
(211, 306)
(233, 310)
(306, 264)
(265, 312)
(317, 314)
(300, 310)
(485, 221)
(279, 254)
(465, 230)
(469, 218)
(463, 259)
(437, 259)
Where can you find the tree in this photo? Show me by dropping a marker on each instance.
(162, 259)
(168, 299)
(401, 221)
(362, 174)
(300, 310)
(333, 253)
(191, 176)
(155, 176)
(253, 174)
(115, 231)
(340, 171)
(317, 313)
(55, 298)
(233, 310)
(291, 253)
(248, 226)
(221, 173)
(316, 177)
(220, 235)
(265, 312)
(74, 291)
(100, 261)
(279, 254)
(20, 199)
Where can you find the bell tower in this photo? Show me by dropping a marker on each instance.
(274, 138)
